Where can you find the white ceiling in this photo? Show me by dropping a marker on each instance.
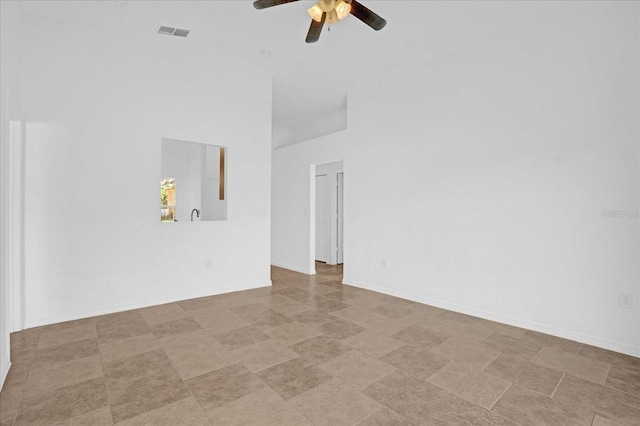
(309, 80)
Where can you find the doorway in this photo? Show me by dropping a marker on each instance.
(329, 207)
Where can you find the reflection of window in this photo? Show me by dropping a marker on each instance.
(168, 200)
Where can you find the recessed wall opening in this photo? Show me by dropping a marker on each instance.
(192, 182)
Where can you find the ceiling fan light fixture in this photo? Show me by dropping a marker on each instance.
(343, 9)
(315, 12)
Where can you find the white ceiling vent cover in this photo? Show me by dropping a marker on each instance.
(180, 33)
(172, 31)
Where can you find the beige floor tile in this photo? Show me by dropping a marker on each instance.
(10, 399)
(393, 310)
(366, 302)
(320, 349)
(382, 325)
(119, 318)
(264, 407)
(466, 352)
(323, 288)
(118, 349)
(482, 325)
(283, 304)
(418, 336)
(62, 403)
(196, 353)
(576, 365)
(420, 317)
(183, 412)
(448, 327)
(196, 363)
(260, 316)
(339, 329)
(293, 377)
(141, 383)
(395, 300)
(609, 356)
(25, 340)
(529, 408)
(610, 403)
(188, 342)
(58, 337)
(334, 403)
(50, 377)
(236, 298)
(109, 333)
(209, 302)
(423, 403)
(51, 355)
(601, 421)
(263, 355)
(354, 314)
(470, 384)
(99, 417)
(511, 346)
(357, 369)
(292, 333)
(552, 341)
(624, 378)
(241, 337)
(297, 293)
(459, 318)
(372, 344)
(163, 313)
(526, 374)
(385, 417)
(327, 304)
(219, 320)
(419, 363)
(312, 317)
(173, 327)
(223, 386)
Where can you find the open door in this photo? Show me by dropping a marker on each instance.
(339, 219)
(322, 210)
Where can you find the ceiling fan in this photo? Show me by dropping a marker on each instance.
(328, 12)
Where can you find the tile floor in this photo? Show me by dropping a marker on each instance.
(310, 351)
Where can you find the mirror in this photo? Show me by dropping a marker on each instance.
(192, 182)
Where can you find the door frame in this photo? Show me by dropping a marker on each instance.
(331, 169)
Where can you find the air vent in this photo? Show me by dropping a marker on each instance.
(180, 33)
(173, 31)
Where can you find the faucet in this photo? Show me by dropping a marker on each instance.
(197, 213)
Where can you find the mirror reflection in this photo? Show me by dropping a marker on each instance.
(192, 182)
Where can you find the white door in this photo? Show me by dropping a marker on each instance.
(340, 224)
(321, 217)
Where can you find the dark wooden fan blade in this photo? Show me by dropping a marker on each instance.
(263, 4)
(315, 29)
(367, 16)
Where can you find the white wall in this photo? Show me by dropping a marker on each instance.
(10, 109)
(96, 107)
(498, 162)
(293, 188)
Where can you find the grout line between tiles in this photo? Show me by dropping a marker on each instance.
(558, 385)
(501, 395)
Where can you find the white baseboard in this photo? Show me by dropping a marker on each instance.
(294, 269)
(612, 345)
(142, 304)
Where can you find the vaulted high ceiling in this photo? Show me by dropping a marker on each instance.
(310, 81)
